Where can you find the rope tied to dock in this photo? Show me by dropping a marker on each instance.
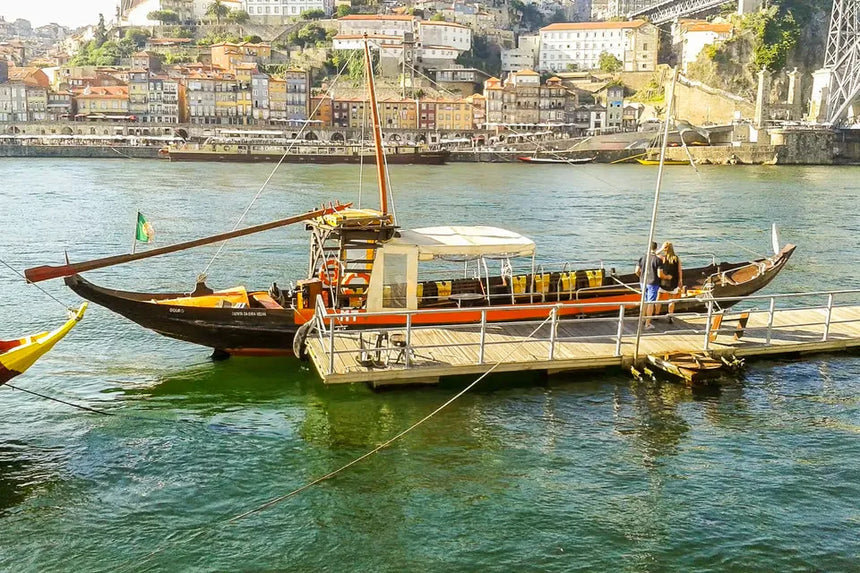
(281, 498)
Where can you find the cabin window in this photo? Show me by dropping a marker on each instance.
(394, 281)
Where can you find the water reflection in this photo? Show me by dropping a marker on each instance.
(23, 469)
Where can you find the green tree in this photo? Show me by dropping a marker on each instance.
(483, 56)
(309, 35)
(163, 16)
(314, 14)
(776, 35)
(238, 16)
(343, 10)
(253, 39)
(437, 17)
(137, 36)
(217, 10)
(608, 63)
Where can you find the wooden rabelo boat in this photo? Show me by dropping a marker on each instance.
(16, 356)
(361, 261)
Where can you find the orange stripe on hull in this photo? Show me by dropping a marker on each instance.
(472, 315)
(259, 352)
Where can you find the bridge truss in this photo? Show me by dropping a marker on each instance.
(842, 59)
(662, 12)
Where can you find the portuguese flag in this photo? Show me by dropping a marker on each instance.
(145, 233)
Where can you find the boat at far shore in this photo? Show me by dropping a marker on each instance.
(286, 151)
(556, 160)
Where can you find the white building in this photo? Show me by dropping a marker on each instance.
(376, 25)
(524, 56)
(449, 34)
(280, 9)
(430, 44)
(693, 36)
(566, 46)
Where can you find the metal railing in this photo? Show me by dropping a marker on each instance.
(394, 347)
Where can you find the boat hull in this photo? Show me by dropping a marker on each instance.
(239, 331)
(16, 356)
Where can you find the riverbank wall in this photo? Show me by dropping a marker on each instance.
(783, 146)
(80, 151)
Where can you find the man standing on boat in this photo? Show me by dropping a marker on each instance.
(650, 282)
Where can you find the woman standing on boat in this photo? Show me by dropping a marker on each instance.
(671, 275)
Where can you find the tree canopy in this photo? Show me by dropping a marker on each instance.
(313, 14)
(609, 63)
(217, 10)
(164, 16)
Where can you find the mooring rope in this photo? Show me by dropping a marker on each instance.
(277, 500)
(49, 295)
(73, 405)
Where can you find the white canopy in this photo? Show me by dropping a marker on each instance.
(433, 242)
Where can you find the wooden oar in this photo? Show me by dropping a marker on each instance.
(45, 272)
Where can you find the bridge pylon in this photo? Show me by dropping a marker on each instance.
(836, 86)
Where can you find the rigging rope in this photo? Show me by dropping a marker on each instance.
(73, 405)
(278, 165)
(275, 501)
(361, 142)
(49, 295)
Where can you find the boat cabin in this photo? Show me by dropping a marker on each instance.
(403, 271)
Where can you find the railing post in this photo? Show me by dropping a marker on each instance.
(483, 336)
(827, 319)
(331, 345)
(770, 320)
(620, 330)
(553, 327)
(408, 338)
(708, 324)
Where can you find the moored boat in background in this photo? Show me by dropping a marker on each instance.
(249, 151)
(556, 160)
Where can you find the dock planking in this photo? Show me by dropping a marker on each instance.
(440, 351)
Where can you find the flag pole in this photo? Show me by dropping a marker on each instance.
(134, 241)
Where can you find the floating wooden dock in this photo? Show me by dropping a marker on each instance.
(426, 354)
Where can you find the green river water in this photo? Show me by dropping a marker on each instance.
(591, 472)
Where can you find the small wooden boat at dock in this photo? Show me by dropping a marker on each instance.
(691, 367)
(16, 356)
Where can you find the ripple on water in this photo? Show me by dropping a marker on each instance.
(593, 472)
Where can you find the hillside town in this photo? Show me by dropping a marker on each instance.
(558, 76)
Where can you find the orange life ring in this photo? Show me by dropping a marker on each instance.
(348, 278)
(330, 272)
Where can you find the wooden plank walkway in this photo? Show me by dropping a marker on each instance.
(579, 345)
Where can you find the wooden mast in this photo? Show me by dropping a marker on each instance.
(377, 132)
(648, 254)
(37, 274)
